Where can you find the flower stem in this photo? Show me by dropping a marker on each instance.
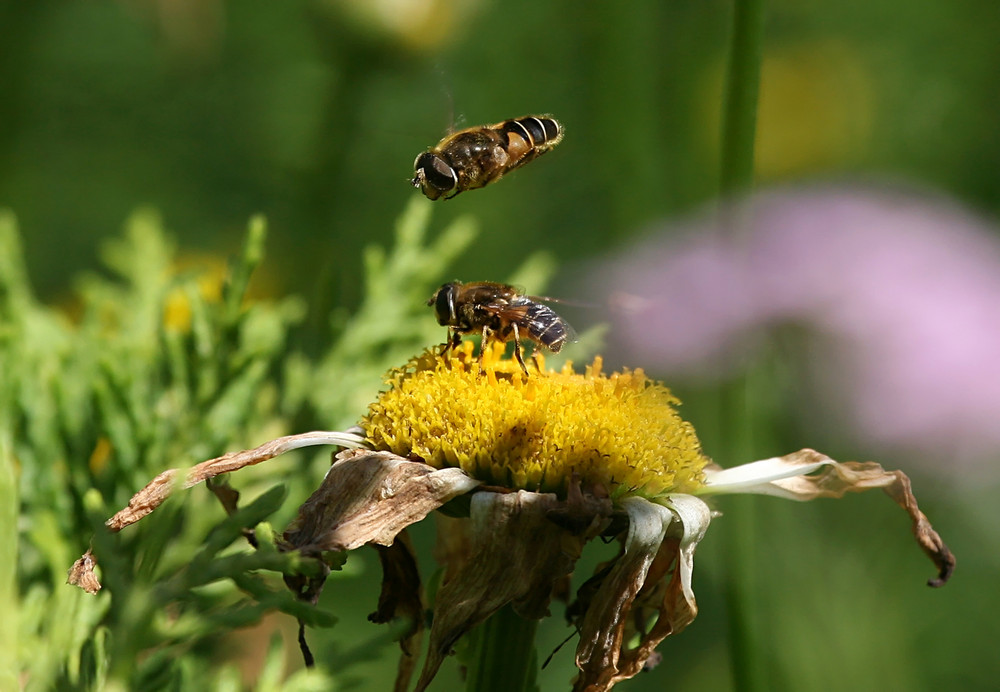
(503, 656)
(739, 126)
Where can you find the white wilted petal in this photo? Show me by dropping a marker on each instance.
(808, 474)
(647, 523)
(694, 517)
(666, 599)
(758, 477)
(602, 632)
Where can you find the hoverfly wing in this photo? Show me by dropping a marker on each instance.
(563, 301)
(541, 323)
(507, 312)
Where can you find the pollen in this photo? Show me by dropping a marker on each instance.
(619, 432)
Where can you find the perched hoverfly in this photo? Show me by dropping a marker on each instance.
(500, 312)
(477, 156)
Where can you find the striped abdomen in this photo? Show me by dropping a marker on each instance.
(543, 326)
(529, 137)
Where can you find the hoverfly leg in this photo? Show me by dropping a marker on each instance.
(451, 344)
(483, 345)
(517, 350)
(536, 359)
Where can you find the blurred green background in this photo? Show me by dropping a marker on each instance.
(311, 114)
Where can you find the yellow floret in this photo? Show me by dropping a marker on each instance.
(619, 432)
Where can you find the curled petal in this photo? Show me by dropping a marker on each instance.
(369, 497)
(603, 629)
(653, 575)
(159, 489)
(693, 517)
(807, 474)
(82, 574)
(401, 598)
(516, 554)
(144, 502)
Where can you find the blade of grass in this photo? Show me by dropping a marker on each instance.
(739, 125)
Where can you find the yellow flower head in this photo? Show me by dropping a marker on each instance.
(619, 432)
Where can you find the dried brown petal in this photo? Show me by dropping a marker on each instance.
(82, 574)
(369, 497)
(517, 554)
(229, 497)
(673, 600)
(452, 544)
(603, 627)
(226, 494)
(401, 598)
(930, 542)
(159, 489)
(659, 538)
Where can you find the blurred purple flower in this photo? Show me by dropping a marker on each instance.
(904, 293)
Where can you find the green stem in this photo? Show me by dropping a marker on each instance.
(504, 656)
(737, 166)
(739, 123)
(746, 652)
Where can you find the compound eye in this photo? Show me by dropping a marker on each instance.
(438, 176)
(444, 305)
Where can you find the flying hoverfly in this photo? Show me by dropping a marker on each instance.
(477, 156)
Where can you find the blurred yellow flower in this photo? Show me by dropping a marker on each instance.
(420, 25)
(211, 271)
(818, 105)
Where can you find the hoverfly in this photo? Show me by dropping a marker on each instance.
(501, 313)
(477, 156)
